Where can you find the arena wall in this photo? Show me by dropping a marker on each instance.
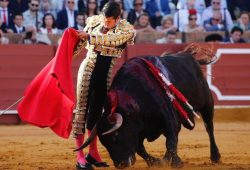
(229, 77)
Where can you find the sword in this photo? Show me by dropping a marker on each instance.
(13, 104)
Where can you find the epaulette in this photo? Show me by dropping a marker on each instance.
(124, 26)
(94, 20)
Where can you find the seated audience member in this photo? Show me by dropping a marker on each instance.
(3, 40)
(214, 38)
(48, 25)
(171, 38)
(167, 24)
(156, 10)
(192, 26)
(216, 5)
(6, 15)
(136, 11)
(236, 36)
(67, 17)
(215, 23)
(32, 16)
(80, 21)
(143, 24)
(244, 21)
(46, 7)
(92, 8)
(17, 27)
(181, 16)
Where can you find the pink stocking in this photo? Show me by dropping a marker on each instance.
(93, 151)
(80, 155)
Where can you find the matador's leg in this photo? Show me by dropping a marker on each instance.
(83, 82)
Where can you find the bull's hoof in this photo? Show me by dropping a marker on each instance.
(167, 157)
(152, 161)
(176, 162)
(215, 157)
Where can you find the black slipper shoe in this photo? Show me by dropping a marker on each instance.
(87, 166)
(94, 162)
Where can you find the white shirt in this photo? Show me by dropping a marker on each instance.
(71, 18)
(19, 29)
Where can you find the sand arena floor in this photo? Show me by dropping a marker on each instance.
(25, 147)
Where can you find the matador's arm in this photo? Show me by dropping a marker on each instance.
(122, 33)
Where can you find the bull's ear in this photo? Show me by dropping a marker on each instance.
(116, 119)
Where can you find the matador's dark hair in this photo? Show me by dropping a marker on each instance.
(112, 9)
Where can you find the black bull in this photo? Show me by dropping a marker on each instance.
(144, 111)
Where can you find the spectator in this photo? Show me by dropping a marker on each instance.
(136, 11)
(167, 24)
(67, 17)
(3, 40)
(181, 16)
(17, 27)
(215, 23)
(236, 36)
(57, 5)
(216, 6)
(129, 5)
(49, 25)
(171, 38)
(32, 17)
(18, 6)
(199, 5)
(241, 5)
(6, 13)
(244, 21)
(156, 10)
(223, 3)
(92, 8)
(143, 24)
(192, 26)
(46, 7)
(80, 20)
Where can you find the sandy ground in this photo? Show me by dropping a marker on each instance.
(26, 147)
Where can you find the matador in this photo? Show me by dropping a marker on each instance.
(105, 37)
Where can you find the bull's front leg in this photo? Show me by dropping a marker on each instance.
(171, 155)
(150, 160)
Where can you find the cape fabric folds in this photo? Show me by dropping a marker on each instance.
(49, 99)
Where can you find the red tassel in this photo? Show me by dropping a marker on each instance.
(177, 93)
(180, 109)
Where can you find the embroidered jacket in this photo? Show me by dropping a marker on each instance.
(110, 44)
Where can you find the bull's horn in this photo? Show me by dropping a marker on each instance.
(114, 118)
(89, 140)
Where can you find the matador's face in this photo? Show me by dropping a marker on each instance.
(110, 22)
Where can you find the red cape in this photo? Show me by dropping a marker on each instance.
(49, 99)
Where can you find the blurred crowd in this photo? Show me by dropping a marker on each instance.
(34, 19)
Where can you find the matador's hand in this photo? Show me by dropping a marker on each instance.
(83, 35)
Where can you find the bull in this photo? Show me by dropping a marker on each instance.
(144, 111)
